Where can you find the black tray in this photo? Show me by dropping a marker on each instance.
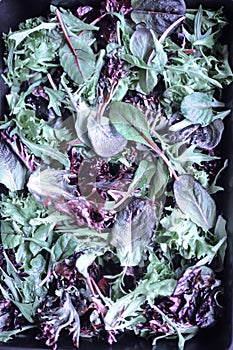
(218, 337)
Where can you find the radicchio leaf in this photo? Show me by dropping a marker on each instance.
(132, 231)
(57, 315)
(207, 137)
(157, 14)
(195, 202)
(12, 171)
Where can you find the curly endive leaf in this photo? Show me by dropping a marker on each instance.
(12, 171)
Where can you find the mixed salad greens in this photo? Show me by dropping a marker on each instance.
(110, 162)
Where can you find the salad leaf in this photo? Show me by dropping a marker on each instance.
(12, 172)
(157, 15)
(23, 34)
(79, 71)
(113, 227)
(124, 117)
(198, 108)
(105, 139)
(195, 201)
(132, 231)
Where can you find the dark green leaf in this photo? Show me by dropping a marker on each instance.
(41, 234)
(74, 23)
(195, 201)
(147, 80)
(64, 246)
(157, 15)
(135, 61)
(142, 43)
(82, 70)
(129, 122)
(160, 179)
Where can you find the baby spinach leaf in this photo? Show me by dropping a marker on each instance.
(141, 43)
(157, 15)
(64, 246)
(147, 80)
(198, 108)
(124, 117)
(160, 179)
(12, 171)
(79, 72)
(195, 202)
(74, 23)
(132, 231)
(105, 139)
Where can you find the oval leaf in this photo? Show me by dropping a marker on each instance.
(132, 231)
(142, 43)
(209, 136)
(105, 139)
(129, 122)
(82, 70)
(195, 202)
(157, 15)
(197, 107)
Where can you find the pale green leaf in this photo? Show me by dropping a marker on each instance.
(12, 171)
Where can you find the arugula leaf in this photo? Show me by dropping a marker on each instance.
(195, 201)
(23, 34)
(46, 152)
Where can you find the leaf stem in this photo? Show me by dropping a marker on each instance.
(51, 81)
(159, 152)
(58, 14)
(94, 22)
(169, 29)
